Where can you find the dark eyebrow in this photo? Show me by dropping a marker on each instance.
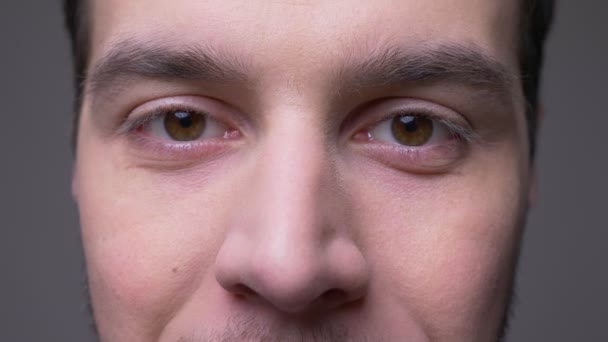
(447, 63)
(130, 59)
(389, 66)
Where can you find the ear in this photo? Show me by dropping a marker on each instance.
(533, 187)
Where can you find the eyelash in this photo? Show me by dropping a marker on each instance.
(131, 128)
(132, 125)
(429, 158)
(424, 157)
(465, 134)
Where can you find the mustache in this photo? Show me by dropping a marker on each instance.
(249, 329)
(242, 328)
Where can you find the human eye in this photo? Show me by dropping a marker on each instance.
(415, 136)
(411, 130)
(179, 129)
(181, 125)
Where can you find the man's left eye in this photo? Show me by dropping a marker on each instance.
(412, 130)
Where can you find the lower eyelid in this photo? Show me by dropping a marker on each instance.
(158, 149)
(146, 148)
(425, 159)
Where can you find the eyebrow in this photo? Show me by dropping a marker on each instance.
(444, 63)
(391, 66)
(131, 59)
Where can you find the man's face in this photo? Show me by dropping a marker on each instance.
(287, 170)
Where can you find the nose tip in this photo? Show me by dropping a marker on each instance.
(290, 244)
(289, 292)
(295, 283)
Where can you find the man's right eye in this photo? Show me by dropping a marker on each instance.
(181, 129)
(182, 125)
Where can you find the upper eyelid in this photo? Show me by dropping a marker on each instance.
(130, 124)
(465, 132)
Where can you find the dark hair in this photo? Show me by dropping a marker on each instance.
(536, 20)
(77, 24)
(537, 16)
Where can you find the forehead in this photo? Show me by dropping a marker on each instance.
(316, 30)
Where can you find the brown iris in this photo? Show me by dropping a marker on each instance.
(184, 126)
(412, 130)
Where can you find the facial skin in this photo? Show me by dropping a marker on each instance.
(298, 213)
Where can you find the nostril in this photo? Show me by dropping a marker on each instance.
(242, 290)
(333, 296)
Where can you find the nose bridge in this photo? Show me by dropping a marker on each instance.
(284, 245)
(292, 175)
(289, 228)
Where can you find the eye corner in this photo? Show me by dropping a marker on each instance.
(175, 131)
(432, 141)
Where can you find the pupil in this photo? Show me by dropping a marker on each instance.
(185, 120)
(410, 123)
(184, 125)
(412, 130)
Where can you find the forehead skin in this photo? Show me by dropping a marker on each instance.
(315, 30)
(437, 250)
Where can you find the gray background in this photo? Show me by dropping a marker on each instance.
(562, 279)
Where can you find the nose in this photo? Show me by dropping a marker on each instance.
(290, 243)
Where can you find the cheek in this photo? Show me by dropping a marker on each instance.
(467, 266)
(444, 246)
(148, 238)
